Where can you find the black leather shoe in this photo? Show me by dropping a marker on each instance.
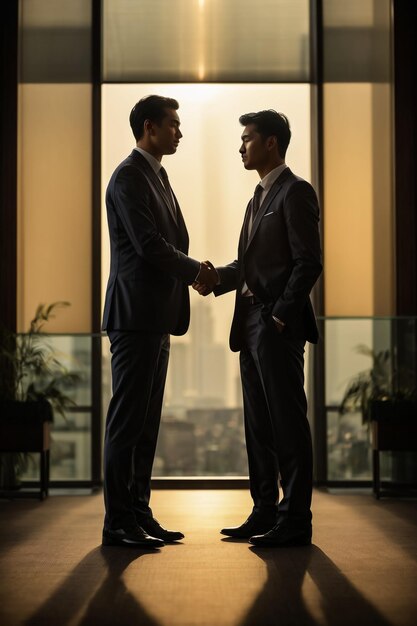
(135, 538)
(154, 528)
(257, 523)
(283, 536)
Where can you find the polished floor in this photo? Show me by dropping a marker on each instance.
(361, 568)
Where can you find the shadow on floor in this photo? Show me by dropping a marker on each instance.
(95, 593)
(96, 584)
(325, 597)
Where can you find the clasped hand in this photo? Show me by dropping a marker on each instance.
(207, 279)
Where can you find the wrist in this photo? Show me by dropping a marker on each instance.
(198, 274)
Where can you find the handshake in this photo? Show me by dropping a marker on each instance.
(207, 279)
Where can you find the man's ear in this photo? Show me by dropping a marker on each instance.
(148, 127)
(271, 142)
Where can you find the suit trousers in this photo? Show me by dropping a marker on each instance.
(139, 367)
(278, 437)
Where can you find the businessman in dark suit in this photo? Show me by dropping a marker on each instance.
(147, 299)
(279, 260)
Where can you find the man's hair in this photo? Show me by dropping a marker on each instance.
(269, 123)
(151, 108)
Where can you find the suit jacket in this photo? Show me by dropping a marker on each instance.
(150, 270)
(281, 261)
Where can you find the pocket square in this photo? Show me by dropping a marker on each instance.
(270, 213)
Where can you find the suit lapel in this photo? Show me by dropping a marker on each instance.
(244, 228)
(276, 187)
(156, 182)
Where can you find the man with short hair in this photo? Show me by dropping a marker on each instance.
(279, 260)
(147, 299)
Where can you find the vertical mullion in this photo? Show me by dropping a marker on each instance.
(317, 390)
(8, 164)
(96, 356)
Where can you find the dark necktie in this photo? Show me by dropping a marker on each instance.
(256, 202)
(163, 174)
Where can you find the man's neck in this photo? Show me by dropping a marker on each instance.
(268, 167)
(149, 148)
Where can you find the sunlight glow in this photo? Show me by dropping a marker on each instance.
(201, 71)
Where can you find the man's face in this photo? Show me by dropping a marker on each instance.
(254, 149)
(166, 136)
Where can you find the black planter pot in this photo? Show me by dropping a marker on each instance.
(24, 428)
(31, 411)
(394, 429)
(381, 410)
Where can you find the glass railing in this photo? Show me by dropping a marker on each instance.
(366, 359)
(71, 445)
(202, 432)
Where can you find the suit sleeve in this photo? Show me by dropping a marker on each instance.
(132, 198)
(301, 214)
(228, 275)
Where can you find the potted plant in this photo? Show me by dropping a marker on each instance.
(32, 388)
(387, 399)
(381, 392)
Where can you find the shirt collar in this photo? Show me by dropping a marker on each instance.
(271, 177)
(154, 163)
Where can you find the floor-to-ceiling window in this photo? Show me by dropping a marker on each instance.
(202, 432)
(219, 60)
(358, 228)
(55, 179)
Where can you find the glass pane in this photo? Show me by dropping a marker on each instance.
(55, 188)
(71, 447)
(74, 352)
(70, 456)
(55, 41)
(202, 429)
(54, 203)
(205, 40)
(70, 436)
(358, 228)
(356, 40)
(208, 442)
(342, 359)
(348, 447)
(371, 359)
